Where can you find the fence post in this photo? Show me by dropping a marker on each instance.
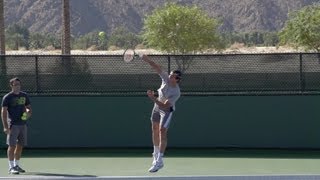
(169, 64)
(3, 70)
(302, 80)
(37, 74)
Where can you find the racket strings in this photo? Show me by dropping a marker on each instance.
(129, 55)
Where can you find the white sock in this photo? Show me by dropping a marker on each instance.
(11, 164)
(159, 159)
(156, 150)
(16, 162)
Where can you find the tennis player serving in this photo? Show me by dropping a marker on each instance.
(164, 105)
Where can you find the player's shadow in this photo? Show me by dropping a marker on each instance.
(57, 175)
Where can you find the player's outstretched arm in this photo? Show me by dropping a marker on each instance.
(154, 65)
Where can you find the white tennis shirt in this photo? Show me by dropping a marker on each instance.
(168, 92)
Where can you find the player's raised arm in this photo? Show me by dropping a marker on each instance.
(154, 65)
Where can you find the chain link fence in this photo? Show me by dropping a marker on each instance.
(283, 73)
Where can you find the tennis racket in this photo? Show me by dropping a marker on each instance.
(129, 55)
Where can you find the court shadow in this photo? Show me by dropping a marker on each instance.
(56, 174)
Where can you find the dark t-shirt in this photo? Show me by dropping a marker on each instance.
(16, 106)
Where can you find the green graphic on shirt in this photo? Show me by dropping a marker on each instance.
(19, 101)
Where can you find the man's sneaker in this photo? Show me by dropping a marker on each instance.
(156, 167)
(13, 170)
(154, 161)
(18, 168)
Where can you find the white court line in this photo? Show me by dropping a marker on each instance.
(217, 177)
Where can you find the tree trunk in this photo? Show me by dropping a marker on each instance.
(66, 48)
(2, 28)
(65, 44)
(3, 68)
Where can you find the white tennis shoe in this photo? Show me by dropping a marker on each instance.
(154, 168)
(155, 156)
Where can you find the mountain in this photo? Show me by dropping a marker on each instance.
(106, 15)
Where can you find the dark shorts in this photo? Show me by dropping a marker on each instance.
(18, 135)
(161, 116)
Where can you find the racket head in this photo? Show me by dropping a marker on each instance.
(128, 55)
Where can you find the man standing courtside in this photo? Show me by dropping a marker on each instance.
(15, 111)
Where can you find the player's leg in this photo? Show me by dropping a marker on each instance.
(155, 124)
(17, 152)
(10, 154)
(17, 156)
(156, 137)
(163, 140)
(22, 141)
(164, 124)
(12, 142)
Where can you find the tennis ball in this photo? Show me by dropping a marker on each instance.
(102, 34)
(24, 116)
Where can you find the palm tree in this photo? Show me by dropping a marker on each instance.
(65, 28)
(3, 69)
(65, 44)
